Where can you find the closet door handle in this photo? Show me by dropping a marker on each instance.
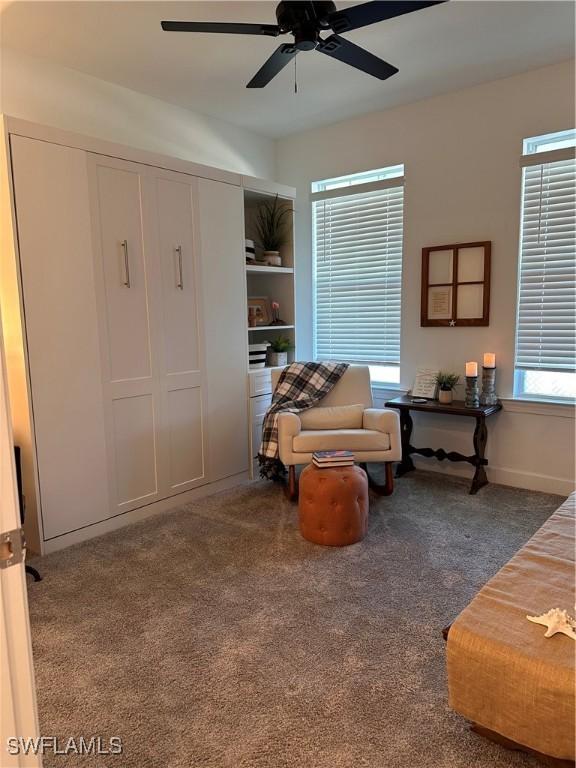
(180, 283)
(126, 264)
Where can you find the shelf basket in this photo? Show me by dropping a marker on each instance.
(257, 355)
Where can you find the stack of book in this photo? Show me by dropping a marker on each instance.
(325, 459)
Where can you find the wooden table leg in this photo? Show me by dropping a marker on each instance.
(480, 440)
(406, 424)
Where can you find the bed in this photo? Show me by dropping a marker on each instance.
(514, 684)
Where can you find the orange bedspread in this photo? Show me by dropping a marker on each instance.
(502, 672)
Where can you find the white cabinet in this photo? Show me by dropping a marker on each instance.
(60, 307)
(182, 367)
(150, 329)
(125, 304)
(224, 310)
(134, 311)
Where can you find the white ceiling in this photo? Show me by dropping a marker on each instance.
(440, 49)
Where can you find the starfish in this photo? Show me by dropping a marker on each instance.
(452, 323)
(556, 621)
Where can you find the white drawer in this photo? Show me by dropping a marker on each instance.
(260, 382)
(256, 437)
(259, 405)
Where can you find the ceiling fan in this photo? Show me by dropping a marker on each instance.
(306, 20)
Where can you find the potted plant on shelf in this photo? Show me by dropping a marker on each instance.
(278, 351)
(446, 383)
(272, 230)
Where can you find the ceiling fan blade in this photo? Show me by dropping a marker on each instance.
(281, 56)
(271, 30)
(370, 13)
(349, 53)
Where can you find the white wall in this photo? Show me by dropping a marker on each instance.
(47, 93)
(461, 155)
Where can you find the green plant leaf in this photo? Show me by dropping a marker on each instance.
(272, 225)
(281, 344)
(447, 381)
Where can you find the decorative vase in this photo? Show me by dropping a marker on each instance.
(277, 359)
(445, 396)
(272, 258)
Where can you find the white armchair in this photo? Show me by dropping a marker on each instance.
(344, 420)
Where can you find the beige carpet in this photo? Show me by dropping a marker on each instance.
(215, 637)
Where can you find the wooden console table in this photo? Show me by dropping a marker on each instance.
(457, 408)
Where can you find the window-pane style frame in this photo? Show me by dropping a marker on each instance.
(453, 287)
(545, 357)
(357, 246)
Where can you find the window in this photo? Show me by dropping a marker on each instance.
(546, 323)
(357, 238)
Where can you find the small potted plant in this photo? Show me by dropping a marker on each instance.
(278, 351)
(446, 383)
(272, 230)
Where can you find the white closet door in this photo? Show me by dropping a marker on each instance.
(128, 363)
(221, 227)
(124, 273)
(182, 381)
(60, 305)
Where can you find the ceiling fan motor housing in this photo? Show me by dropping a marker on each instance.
(304, 20)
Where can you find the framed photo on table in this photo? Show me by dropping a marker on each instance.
(456, 285)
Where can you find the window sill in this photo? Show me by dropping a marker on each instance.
(382, 386)
(563, 409)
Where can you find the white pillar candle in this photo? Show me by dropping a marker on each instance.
(471, 369)
(489, 360)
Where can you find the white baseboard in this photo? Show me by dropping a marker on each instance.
(135, 515)
(503, 476)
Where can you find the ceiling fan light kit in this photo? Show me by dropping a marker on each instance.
(306, 21)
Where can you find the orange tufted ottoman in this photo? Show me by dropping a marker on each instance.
(333, 505)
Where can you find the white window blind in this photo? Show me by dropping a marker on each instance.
(358, 270)
(547, 281)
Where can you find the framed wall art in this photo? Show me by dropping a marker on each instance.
(456, 284)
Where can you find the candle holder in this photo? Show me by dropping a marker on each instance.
(472, 400)
(488, 396)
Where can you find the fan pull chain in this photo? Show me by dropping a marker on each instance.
(295, 75)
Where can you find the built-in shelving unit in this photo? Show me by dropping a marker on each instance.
(276, 284)
(262, 280)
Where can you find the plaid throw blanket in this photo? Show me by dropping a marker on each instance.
(301, 386)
